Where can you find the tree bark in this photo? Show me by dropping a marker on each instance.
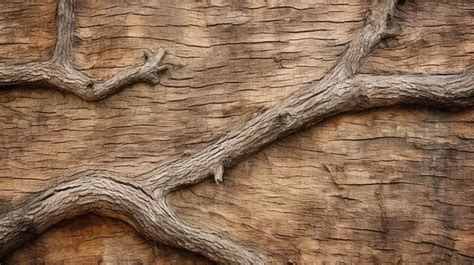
(59, 72)
(142, 202)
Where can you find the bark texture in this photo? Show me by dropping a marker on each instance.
(142, 199)
(59, 72)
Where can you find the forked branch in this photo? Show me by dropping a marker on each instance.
(143, 203)
(360, 92)
(59, 72)
(104, 194)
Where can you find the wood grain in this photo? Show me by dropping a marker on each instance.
(54, 134)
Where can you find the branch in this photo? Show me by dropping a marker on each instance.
(298, 110)
(377, 27)
(148, 213)
(85, 192)
(441, 91)
(106, 195)
(63, 47)
(148, 72)
(305, 109)
(209, 244)
(59, 72)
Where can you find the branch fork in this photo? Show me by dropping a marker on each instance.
(61, 74)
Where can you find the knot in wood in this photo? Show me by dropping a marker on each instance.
(90, 84)
(285, 116)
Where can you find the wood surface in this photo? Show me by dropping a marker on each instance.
(391, 185)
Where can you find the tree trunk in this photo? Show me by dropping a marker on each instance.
(281, 132)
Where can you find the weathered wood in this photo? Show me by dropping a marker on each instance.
(96, 240)
(383, 186)
(370, 90)
(59, 71)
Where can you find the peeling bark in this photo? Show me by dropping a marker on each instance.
(143, 203)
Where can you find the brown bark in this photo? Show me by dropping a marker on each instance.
(144, 205)
(58, 71)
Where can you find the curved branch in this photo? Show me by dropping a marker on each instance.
(68, 79)
(59, 72)
(86, 192)
(110, 196)
(209, 244)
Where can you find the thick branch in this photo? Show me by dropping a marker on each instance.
(211, 245)
(103, 194)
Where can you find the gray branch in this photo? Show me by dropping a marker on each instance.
(59, 72)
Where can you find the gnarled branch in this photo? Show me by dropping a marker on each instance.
(59, 72)
(102, 193)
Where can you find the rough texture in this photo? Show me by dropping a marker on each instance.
(59, 71)
(385, 186)
(96, 240)
(332, 95)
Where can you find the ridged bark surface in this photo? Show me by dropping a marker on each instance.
(383, 185)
